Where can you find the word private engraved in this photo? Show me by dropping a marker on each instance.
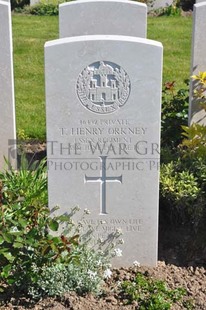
(103, 87)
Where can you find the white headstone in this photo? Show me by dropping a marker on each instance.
(198, 63)
(7, 109)
(103, 97)
(113, 17)
(157, 4)
(33, 2)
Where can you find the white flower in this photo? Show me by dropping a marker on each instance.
(121, 241)
(102, 222)
(92, 274)
(14, 229)
(118, 252)
(99, 263)
(86, 211)
(136, 263)
(107, 273)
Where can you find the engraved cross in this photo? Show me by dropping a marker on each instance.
(103, 179)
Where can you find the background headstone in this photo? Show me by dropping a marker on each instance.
(115, 17)
(158, 4)
(103, 97)
(198, 62)
(7, 108)
(33, 2)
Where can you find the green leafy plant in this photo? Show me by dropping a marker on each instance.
(172, 10)
(83, 274)
(174, 114)
(194, 143)
(183, 178)
(43, 8)
(150, 294)
(21, 135)
(181, 192)
(36, 261)
(25, 226)
(18, 4)
(199, 89)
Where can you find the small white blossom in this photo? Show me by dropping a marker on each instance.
(118, 252)
(99, 263)
(102, 222)
(14, 229)
(64, 254)
(121, 241)
(136, 263)
(87, 211)
(92, 274)
(107, 274)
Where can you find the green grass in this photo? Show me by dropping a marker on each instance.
(31, 32)
(175, 33)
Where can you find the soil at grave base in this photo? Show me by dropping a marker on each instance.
(193, 279)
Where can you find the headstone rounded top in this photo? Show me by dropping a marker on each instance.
(90, 1)
(102, 37)
(96, 17)
(6, 3)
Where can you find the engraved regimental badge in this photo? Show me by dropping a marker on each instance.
(103, 87)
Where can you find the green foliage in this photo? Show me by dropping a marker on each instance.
(194, 145)
(35, 261)
(174, 114)
(42, 9)
(171, 10)
(199, 86)
(83, 274)
(24, 228)
(181, 192)
(18, 4)
(183, 178)
(150, 294)
(21, 135)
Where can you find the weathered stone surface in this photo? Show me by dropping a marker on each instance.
(112, 17)
(103, 97)
(7, 110)
(196, 113)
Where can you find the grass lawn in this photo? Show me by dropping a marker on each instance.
(31, 32)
